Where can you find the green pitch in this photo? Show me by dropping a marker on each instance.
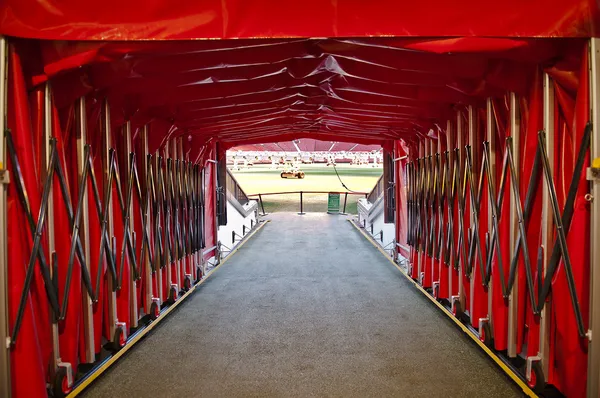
(318, 177)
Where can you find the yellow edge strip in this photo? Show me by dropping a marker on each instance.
(90, 379)
(485, 348)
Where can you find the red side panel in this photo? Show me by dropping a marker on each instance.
(30, 353)
(570, 350)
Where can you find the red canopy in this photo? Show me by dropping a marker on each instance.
(364, 90)
(232, 19)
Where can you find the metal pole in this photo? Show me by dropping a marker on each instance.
(513, 303)
(187, 268)
(491, 138)
(432, 202)
(55, 357)
(345, 200)
(158, 178)
(301, 208)
(147, 202)
(112, 294)
(422, 251)
(449, 147)
(88, 311)
(461, 158)
(440, 218)
(133, 305)
(593, 379)
(262, 206)
(176, 208)
(472, 221)
(5, 388)
(168, 216)
(547, 222)
(214, 167)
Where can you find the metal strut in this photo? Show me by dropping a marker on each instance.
(441, 202)
(523, 220)
(460, 189)
(563, 223)
(36, 232)
(475, 194)
(496, 206)
(51, 285)
(450, 193)
(144, 206)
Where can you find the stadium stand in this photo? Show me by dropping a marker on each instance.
(307, 145)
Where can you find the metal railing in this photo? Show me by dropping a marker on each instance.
(259, 196)
(377, 191)
(234, 188)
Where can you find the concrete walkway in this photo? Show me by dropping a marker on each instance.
(306, 308)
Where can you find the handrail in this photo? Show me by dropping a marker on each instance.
(377, 191)
(234, 188)
(291, 192)
(262, 206)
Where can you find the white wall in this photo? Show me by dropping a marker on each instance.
(371, 214)
(235, 221)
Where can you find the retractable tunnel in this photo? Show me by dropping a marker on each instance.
(116, 119)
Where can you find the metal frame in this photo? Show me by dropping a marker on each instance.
(133, 305)
(167, 175)
(148, 205)
(159, 253)
(215, 194)
(593, 379)
(461, 159)
(107, 144)
(491, 139)
(473, 145)
(185, 211)
(5, 378)
(174, 176)
(449, 199)
(547, 224)
(438, 239)
(426, 209)
(88, 311)
(515, 132)
(421, 245)
(55, 359)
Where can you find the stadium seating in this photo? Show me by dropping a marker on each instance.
(307, 145)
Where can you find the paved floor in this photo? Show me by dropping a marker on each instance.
(306, 308)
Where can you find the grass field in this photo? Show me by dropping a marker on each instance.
(318, 177)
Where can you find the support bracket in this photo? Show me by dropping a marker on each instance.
(4, 175)
(593, 173)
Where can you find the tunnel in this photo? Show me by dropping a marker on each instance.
(132, 262)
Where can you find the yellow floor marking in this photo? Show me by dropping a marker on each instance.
(153, 324)
(475, 338)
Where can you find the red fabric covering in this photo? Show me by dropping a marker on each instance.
(159, 19)
(29, 360)
(365, 91)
